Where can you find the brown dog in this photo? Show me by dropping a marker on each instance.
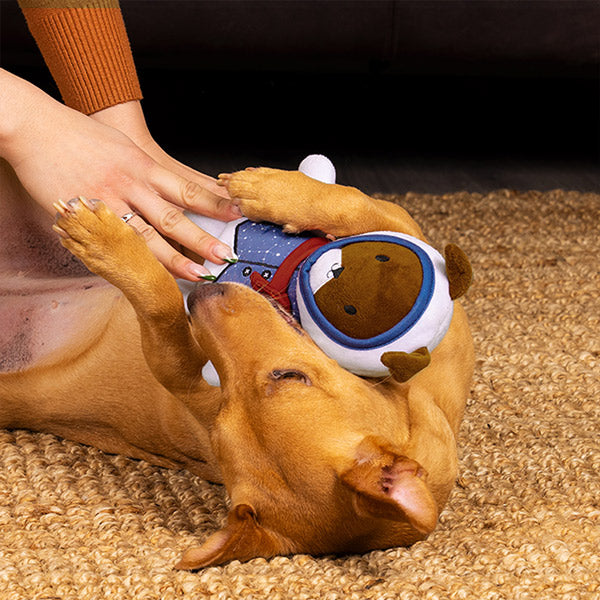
(315, 459)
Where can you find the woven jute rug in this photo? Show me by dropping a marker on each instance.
(522, 523)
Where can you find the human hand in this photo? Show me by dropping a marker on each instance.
(59, 153)
(128, 117)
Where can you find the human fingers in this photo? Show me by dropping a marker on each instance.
(170, 221)
(177, 264)
(200, 194)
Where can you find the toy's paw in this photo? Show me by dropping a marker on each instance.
(95, 234)
(272, 195)
(403, 366)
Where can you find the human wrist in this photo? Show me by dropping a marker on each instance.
(128, 118)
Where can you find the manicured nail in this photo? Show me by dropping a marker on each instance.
(225, 253)
(198, 270)
(208, 277)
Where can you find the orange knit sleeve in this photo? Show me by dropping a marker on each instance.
(86, 48)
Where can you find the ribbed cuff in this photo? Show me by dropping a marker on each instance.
(87, 51)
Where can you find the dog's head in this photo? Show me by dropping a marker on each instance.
(312, 456)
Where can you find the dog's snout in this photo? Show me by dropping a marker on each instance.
(204, 290)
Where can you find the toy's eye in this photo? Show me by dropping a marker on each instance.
(351, 310)
(279, 374)
(382, 258)
(335, 271)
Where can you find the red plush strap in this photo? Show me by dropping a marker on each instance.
(277, 287)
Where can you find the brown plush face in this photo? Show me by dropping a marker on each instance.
(372, 290)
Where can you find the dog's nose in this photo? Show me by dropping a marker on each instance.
(204, 290)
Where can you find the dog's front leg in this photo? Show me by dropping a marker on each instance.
(300, 203)
(113, 250)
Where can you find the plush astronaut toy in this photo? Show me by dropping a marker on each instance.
(378, 303)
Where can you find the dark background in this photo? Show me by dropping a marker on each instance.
(423, 95)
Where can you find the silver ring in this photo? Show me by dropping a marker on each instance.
(128, 216)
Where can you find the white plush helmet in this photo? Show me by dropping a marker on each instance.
(424, 326)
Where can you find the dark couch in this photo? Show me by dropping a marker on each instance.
(403, 78)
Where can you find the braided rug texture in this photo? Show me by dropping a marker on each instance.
(523, 521)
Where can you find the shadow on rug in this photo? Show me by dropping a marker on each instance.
(523, 522)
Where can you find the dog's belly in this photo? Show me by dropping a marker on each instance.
(51, 306)
(43, 321)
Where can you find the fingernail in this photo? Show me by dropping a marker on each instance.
(225, 253)
(208, 277)
(198, 270)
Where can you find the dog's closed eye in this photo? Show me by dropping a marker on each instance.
(280, 374)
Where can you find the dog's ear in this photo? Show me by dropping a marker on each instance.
(389, 485)
(459, 271)
(242, 538)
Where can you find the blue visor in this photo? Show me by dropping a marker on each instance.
(398, 330)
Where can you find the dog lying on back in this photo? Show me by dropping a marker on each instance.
(315, 459)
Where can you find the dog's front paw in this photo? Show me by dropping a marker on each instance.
(94, 234)
(252, 190)
(270, 195)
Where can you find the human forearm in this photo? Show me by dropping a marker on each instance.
(23, 108)
(109, 154)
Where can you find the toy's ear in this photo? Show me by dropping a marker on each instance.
(403, 366)
(459, 271)
(388, 485)
(242, 538)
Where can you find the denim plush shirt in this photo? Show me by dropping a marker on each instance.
(262, 247)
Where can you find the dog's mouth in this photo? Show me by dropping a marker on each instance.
(284, 314)
(204, 291)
